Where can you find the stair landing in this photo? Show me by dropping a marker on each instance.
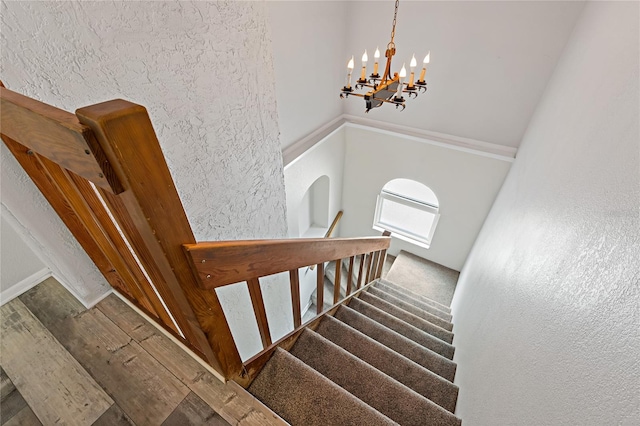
(424, 277)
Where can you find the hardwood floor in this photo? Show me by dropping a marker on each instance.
(64, 364)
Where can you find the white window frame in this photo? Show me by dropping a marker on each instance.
(400, 232)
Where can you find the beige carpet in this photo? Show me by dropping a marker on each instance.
(424, 277)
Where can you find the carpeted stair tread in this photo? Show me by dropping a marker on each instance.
(397, 342)
(304, 397)
(415, 295)
(408, 317)
(407, 330)
(402, 304)
(376, 389)
(445, 315)
(405, 371)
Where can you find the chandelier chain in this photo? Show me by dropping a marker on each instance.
(393, 27)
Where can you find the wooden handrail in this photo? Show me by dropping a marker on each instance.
(333, 224)
(228, 262)
(217, 264)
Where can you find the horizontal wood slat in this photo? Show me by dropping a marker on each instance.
(228, 262)
(58, 136)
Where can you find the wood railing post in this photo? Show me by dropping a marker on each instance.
(361, 269)
(294, 281)
(350, 278)
(320, 288)
(336, 284)
(259, 310)
(126, 135)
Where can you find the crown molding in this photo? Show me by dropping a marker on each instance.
(473, 146)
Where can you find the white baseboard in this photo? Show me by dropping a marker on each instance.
(24, 285)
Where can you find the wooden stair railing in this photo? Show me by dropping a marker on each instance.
(104, 173)
(218, 264)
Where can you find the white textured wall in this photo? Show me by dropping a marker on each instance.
(308, 53)
(324, 159)
(203, 70)
(547, 309)
(465, 183)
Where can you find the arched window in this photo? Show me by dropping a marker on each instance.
(409, 210)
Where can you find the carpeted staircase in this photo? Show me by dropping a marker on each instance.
(383, 359)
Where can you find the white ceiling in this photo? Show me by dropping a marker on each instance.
(490, 62)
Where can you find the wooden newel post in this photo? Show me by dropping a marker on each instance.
(160, 227)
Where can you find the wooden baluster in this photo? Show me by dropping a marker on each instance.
(336, 284)
(294, 281)
(383, 256)
(258, 309)
(369, 256)
(350, 278)
(374, 266)
(360, 272)
(320, 288)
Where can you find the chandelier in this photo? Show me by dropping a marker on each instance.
(386, 88)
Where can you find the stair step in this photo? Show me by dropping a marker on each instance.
(402, 304)
(381, 392)
(407, 330)
(412, 300)
(397, 342)
(407, 372)
(414, 295)
(407, 317)
(302, 396)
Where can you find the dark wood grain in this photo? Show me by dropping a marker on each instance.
(58, 136)
(360, 269)
(228, 262)
(259, 310)
(320, 288)
(294, 280)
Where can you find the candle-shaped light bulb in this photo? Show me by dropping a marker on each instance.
(424, 67)
(403, 74)
(350, 68)
(412, 65)
(376, 56)
(363, 74)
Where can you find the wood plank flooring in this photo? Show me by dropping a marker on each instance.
(63, 364)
